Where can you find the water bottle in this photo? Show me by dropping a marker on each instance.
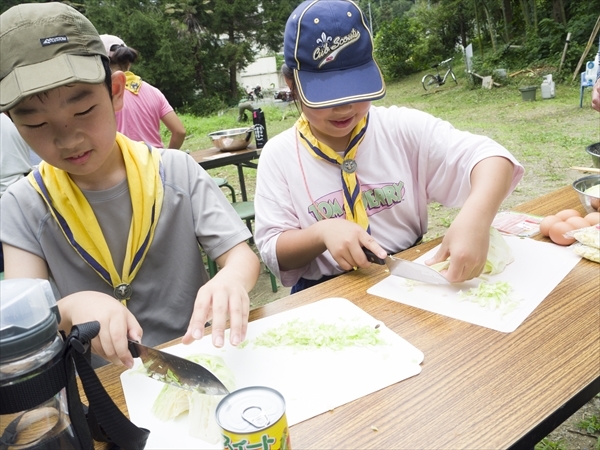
(30, 352)
(260, 128)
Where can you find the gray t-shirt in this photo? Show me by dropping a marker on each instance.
(14, 154)
(194, 212)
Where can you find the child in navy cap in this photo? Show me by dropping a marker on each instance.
(350, 175)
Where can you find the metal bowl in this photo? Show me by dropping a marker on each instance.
(232, 139)
(594, 151)
(591, 203)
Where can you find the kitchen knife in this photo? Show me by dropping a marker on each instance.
(177, 371)
(408, 269)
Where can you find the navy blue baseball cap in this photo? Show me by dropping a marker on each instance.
(329, 46)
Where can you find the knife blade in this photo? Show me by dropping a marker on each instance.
(408, 269)
(180, 372)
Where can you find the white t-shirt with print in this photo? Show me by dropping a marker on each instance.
(407, 159)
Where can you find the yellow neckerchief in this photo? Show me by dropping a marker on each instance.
(353, 202)
(76, 219)
(133, 83)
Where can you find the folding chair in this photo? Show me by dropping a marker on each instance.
(222, 182)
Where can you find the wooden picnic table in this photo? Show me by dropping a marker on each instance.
(478, 388)
(211, 158)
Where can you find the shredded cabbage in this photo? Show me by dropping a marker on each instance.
(310, 334)
(201, 418)
(495, 296)
(173, 401)
(499, 255)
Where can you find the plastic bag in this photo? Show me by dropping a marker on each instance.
(587, 251)
(587, 236)
(588, 242)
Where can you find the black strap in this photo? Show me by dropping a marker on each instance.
(112, 424)
(65, 439)
(76, 413)
(33, 391)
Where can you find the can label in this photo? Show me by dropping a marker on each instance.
(253, 418)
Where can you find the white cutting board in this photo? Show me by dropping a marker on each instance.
(537, 269)
(311, 381)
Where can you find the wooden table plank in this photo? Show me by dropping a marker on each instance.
(212, 158)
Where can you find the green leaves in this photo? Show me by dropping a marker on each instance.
(192, 50)
(590, 425)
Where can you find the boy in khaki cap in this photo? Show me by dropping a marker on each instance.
(116, 224)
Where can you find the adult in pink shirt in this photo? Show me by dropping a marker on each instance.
(144, 106)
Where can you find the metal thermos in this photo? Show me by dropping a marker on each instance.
(29, 347)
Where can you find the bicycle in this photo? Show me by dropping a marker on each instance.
(430, 80)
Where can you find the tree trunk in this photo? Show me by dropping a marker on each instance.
(525, 10)
(507, 14)
(232, 68)
(198, 66)
(463, 34)
(478, 24)
(558, 11)
(491, 27)
(535, 18)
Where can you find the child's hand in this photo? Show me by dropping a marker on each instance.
(466, 244)
(226, 293)
(116, 323)
(345, 241)
(217, 299)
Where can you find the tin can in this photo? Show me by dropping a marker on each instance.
(253, 418)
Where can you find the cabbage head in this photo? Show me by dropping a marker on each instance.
(173, 401)
(499, 255)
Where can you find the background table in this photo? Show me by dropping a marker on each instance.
(478, 388)
(212, 158)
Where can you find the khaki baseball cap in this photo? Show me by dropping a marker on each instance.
(45, 46)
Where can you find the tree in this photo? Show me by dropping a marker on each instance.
(226, 35)
(165, 59)
(378, 12)
(394, 46)
(274, 16)
(192, 50)
(191, 19)
(245, 27)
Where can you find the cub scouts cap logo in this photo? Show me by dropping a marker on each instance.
(45, 46)
(330, 47)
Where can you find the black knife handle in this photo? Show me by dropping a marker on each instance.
(373, 257)
(133, 349)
